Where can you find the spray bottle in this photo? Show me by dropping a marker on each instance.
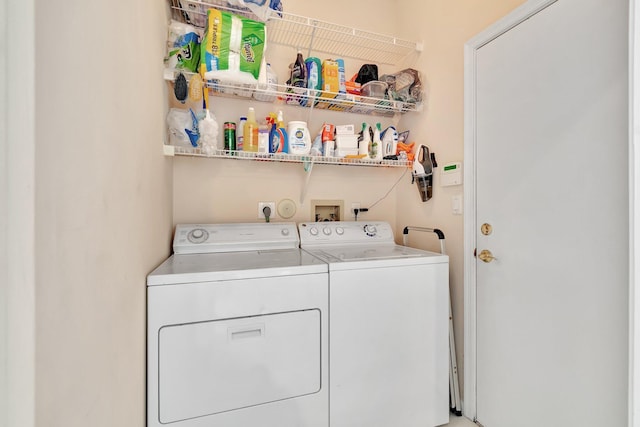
(282, 131)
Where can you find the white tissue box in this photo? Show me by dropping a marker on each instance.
(347, 141)
(345, 130)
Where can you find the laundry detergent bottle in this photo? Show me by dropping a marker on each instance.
(299, 138)
(250, 132)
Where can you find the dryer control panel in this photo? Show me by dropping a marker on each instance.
(345, 233)
(210, 238)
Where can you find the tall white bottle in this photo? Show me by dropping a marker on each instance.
(364, 140)
(376, 144)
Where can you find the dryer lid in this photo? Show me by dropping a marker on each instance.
(191, 268)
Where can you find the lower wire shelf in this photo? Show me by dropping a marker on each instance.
(171, 150)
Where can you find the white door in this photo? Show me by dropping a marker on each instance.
(551, 162)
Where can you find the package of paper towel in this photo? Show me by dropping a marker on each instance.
(232, 48)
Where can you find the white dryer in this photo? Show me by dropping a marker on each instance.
(388, 329)
(237, 330)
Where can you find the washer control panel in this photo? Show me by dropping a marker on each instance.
(210, 238)
(344, 232)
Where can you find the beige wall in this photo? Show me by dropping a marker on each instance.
(103, 200)
(221, 190)
(207, 190)
(444, 27)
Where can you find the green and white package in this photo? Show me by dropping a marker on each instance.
(183, 47)
(232, 48)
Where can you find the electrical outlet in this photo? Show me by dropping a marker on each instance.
(353, 207)
(262, 205)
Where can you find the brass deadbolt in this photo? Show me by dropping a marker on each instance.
(486, 229)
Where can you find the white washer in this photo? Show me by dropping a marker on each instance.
(237, 330)
(388, 328)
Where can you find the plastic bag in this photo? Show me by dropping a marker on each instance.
(183, 128)
(367, 73)
(232, 48)
(183, 47)
(404, 85)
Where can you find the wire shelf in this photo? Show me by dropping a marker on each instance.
(172, 150)
(307, 33)
(308, 98)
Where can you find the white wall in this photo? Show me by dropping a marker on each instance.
(17, 213)
(4, 351)
(103, 205)
(634, 208)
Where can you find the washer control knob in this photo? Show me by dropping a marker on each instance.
(339, 231)
(198, 235)
(370, 230)
(326, 231)
(313, 231)
(285, 231)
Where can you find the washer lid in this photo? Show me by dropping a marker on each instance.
(389, 254)
(190, 268)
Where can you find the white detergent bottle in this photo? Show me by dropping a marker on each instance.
(364, 140)
(376, 144)
(299, 138)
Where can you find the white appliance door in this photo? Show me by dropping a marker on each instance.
(208, 368)
(551, 180)
(388, 346)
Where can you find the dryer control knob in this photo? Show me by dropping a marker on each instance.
(370, 230)
(326, 231)
(339, 231)
(285, 231)
(198, 235)
(313, 231)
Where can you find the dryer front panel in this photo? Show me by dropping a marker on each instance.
(213, 367)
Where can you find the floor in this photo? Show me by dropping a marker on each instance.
(455, 421)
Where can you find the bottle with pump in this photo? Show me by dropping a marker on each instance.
(376, 144)
(251, 132)
(364, 140)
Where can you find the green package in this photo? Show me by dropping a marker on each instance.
(232, 47)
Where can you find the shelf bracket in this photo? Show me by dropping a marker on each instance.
(169, 150)
(308, 167)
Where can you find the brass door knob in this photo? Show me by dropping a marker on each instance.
(485, 255)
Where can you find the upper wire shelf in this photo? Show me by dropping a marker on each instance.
(308, 33)
(309, 98)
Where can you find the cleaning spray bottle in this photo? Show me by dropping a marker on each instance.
(282, 132)
(364, 140)
(376, 144)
